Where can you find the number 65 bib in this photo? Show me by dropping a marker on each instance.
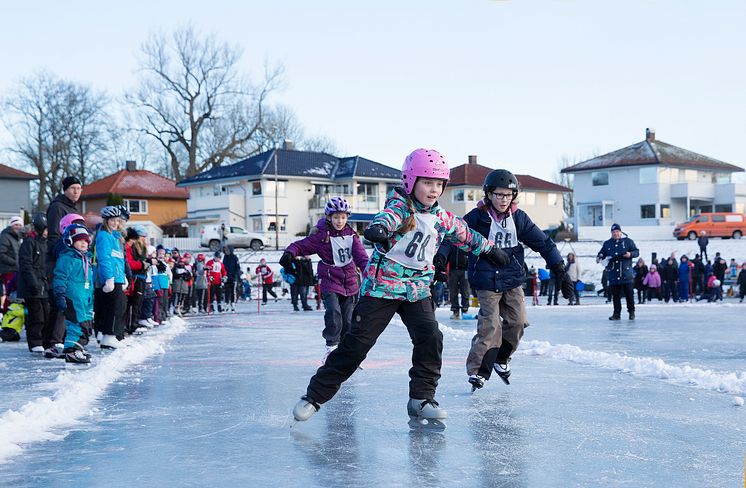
(416, 248)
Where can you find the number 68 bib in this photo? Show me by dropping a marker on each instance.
(416, 248)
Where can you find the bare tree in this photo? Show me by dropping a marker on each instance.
(194, 102)
(320, 144)
(566, 179)
(57, 129)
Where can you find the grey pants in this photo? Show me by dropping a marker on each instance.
(457, 283)
(338, 316)
(502, 316)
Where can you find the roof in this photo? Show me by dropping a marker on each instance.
(137, 183)
(473, 174)
(15, 174)
(299, 164)
(652, 151)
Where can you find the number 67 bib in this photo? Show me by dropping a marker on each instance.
(416, 248)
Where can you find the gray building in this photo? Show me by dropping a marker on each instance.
(650, 186)
(15, 193)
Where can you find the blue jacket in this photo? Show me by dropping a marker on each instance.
(73, 279)
(619, 268)
(684, 271)
(483, 275)
(109, 257)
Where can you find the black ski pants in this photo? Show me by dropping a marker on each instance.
(37, 320)
(267, 288)
(109, 309)
(230, 292)
(616, 296)
(370, 318)
(457, 283)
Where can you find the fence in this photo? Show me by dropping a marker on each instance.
(182, 243)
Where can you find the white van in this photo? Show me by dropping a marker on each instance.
(210, 236)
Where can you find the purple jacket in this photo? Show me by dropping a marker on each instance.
(343, 280)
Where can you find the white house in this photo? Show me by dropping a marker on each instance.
(543, 200)
(288, 186)
(650, 186)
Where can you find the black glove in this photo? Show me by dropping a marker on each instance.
(378, 234)
(61, 302)
(439, 261)
(440, 275)
(287, 262)
(563, 280)
(162, 267)
(497, 256)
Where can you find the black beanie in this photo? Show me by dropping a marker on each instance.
(70, 181)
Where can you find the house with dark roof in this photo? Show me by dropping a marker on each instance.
(153, 200)
(542, 199)
(15, 193)
(650, 186)
(286, 186)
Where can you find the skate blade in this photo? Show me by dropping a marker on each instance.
(505, 380)
(429, 425)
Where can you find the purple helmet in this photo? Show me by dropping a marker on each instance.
(423, 163)
(337, 204)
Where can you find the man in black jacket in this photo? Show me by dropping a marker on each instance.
(620, 250)
(458, 262)
(703, 240)
(233, 276)
(32, 283)
(63, 204)
(698, 274)
(10, 242)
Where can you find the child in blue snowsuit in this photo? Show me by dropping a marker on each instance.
(73, 292)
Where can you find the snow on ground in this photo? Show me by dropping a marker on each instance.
(73, 393)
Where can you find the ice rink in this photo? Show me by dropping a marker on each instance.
(654, 402)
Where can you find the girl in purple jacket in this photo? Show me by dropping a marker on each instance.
(342, 254)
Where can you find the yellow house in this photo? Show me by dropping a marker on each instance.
(541, 199)
(149, 197)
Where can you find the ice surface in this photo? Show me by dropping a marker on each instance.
(591, 403)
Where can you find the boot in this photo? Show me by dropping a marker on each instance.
(632, 315)
(615, 317)
(425, 409)
(305, 408)
(456, 315)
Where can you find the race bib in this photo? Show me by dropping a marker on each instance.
(216, 267)
(503, 233)
(342, 250)
(416, 248)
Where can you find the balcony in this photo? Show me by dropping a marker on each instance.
(359, 203)
(693, 190)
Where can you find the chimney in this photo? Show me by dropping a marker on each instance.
(650, 135)
(472, 159)
(130, 165)
(288, 144)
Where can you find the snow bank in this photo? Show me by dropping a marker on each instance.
(640, 366)
(75, 390)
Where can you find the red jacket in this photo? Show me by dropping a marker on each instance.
(215, 271)
(265, 273)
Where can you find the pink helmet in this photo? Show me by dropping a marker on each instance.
(423, 163)
(69, 219)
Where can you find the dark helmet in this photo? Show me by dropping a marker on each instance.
(500, 178)
(39, 222)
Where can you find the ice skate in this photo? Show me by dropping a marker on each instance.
(456, 315)
(426, 414)
(503, 371)
(632, 315)
(476, 382)
(37, 349)
(305, 408)
(110, 342)
(54, 352)
(77, 357)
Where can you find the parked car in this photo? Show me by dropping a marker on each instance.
(210, 236)
(716, 224)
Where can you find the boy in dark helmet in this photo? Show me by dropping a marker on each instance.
(32, 282)
(498, 286)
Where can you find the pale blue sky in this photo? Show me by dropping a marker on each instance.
(519, 83)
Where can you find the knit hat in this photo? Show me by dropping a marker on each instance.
(16, 220)
(616, 227)
(70, 181)
(141, 230)
(77, 233)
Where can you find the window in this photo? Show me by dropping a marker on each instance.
(529, 198)
(727, 207)
(648, 174)
(718, 218)
(471, 195)
(137, 206)
(703, 218)
(665, 211)
(256, 224)
(271, 226)
(237, 230)
(256, 187)
(457, 196)
(690, 175)
(722, 178)
(217, 190)
(600, 178)
(367, 192)
(552, 199)
(734, 218)
(647, 211)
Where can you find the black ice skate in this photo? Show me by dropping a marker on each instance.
(476, 382)
(503, 371)
(426, 414)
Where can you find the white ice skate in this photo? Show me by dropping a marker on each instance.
(109, 341)
(426, 414)
(305, 408)
(503, 371)
(37, 349)
(476, 382)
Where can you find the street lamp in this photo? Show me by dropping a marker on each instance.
(277, 221)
